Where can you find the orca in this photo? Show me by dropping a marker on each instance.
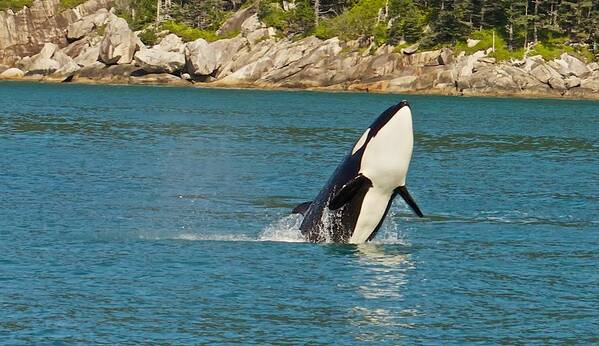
(352, 205)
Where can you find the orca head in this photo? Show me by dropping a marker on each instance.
(386, 147)
(400, 128)
(402, 108)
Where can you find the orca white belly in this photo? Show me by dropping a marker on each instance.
(372, 212)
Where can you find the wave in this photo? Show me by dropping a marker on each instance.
(284, 229)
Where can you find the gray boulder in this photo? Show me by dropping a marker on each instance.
(172, 43)
(43, 66)
(88, 56)
(119, 43)
(91, 72)
(42, 62)
(205, 58)
(87, 24)
(201, 60)
(445, 78)
(465, 64)
(445, 56)
(235, 22)
(531, 62)
(250, 24)
(575, 67)
(590, 83)
(66, 63)
(472, 42)
(76, 48)
(158, 78)
(12, 73)
(402, 83)
(260, 35)
(156, 60)
(572, 82)
(411, 49)
(78, 30)
(557, 83)
(544, 73)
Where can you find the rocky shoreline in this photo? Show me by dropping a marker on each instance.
(90, 44)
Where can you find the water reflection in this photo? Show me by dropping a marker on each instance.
(387, 266)
(386, 273)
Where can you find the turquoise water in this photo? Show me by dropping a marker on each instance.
(154, 215)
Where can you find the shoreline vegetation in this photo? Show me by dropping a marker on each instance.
(363, 45)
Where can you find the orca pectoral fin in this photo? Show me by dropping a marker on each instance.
(301, 208)
(348, 191)
(403, 192)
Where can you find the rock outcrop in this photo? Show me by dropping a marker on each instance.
(42, 63)
(205, 59)
(12, 73)
(90, 44)
(87, 24)
(172, 43)
(234, 23)
(88, 56)
(119, 43)
(25, 32)
(156, 60)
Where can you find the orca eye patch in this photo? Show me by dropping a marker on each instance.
(360, 143)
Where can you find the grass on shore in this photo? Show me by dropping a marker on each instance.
(66, 4)
(188, 33)
(15, 5)
(550, 49)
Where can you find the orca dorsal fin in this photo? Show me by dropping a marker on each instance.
(301, 208)
(348, 191)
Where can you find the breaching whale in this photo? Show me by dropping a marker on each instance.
(352, 205)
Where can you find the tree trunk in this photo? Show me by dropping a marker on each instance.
(158, 6)
(526, 26)
(482, 15)
(510, 27)
(316, 11)
(536, 37)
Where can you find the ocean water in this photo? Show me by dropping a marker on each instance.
(149, 215)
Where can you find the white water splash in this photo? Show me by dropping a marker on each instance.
(285, 229)
(197, 237)
(390, 232)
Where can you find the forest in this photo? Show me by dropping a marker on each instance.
(513, 28)
(516, 27)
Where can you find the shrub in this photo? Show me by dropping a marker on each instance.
(101, 30)
(485, 36)
(299, 20)
(486, 41)
(15, 5)
(148, 37)
(552, 48)
(549, 49)
(273, 15)
(144, 10)
(66, 4)
(188, 33)
(360, 20)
